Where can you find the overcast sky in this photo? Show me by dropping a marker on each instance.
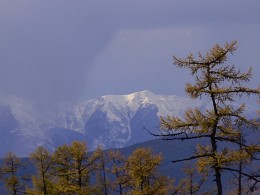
(63, 50)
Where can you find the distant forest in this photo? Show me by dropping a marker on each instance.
(71, 169)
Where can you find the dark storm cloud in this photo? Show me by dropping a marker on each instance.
(48, 49)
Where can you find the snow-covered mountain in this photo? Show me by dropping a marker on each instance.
(109, 121)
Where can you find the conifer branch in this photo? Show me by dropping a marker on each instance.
(186, 138)
(249, 176)
(221, 83)
(192, 158)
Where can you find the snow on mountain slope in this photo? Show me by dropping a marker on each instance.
(167, 105)
(109, 121)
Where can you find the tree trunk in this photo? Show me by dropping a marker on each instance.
(216, 166)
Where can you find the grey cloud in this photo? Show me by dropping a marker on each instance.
(48, 48)
(47, 51)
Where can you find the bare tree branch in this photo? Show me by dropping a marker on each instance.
(192, 158)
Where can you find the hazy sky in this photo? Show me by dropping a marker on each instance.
(64, 50)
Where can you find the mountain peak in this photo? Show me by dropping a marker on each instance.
(145, 92)
(110, 121)
(138, 95)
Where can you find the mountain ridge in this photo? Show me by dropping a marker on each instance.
(109, 121)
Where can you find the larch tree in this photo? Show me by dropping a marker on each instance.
(82, 164)
(193, 182)
(101, 170)
(61, 170)
(120, 182)
(241, 164)
(42, 181)
(10, 174)
(221, 123)
(142, 168)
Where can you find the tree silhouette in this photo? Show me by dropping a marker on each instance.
(10, 174)
(221, 123)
